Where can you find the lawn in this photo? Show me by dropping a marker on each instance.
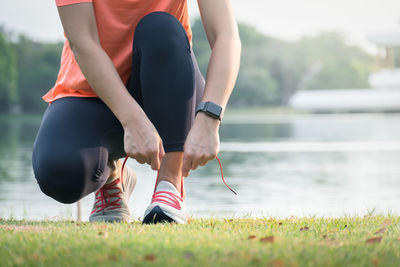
(347, 241)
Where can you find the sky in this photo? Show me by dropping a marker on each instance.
(285, 19)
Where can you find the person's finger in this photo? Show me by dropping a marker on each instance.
(155, 160)
(195, 164)
(140, 159)
(161, 153)
(204, 162)
(186, 165)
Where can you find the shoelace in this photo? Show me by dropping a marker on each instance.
(102, 196)
(167, 198)
(170, 198)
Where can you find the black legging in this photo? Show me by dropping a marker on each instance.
(79, 135)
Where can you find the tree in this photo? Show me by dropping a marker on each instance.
(8, 74)
(272, 70)
(38, 65)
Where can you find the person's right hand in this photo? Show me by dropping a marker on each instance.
(143, 143)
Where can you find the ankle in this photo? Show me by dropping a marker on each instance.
(113, 165)
(177, 182)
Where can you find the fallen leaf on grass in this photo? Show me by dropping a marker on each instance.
(251, 237)
(374, 240)
(23, 228)
(188, 255)
(150, 257)
(276, 263)
(333, 243)
(105, 234)
(37, 257)
(375, 261)
(387, 222)
(381, 231)
(113, 257)
(268, 239)
(305, 228)
(19, 260)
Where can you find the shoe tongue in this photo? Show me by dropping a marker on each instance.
(167, 186)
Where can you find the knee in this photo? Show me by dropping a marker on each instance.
(58, 178)
(161, 32)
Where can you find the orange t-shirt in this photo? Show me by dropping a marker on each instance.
(116, 22)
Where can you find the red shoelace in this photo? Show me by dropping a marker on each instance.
(170, 198)
(102, 197)
(165, 197)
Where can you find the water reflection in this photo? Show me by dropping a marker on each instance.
(324, 165)
(16, 139)
(244, 132)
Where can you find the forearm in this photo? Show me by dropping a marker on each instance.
(105, 81)
(222, 69)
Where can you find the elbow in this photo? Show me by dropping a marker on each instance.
(75, 47)
(237, 43)
(81, 46)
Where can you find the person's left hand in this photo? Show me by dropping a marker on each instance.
(202, 143)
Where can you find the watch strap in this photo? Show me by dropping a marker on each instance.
(210, 108)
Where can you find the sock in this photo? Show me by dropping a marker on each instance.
(167, 186)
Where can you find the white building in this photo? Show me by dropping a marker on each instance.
(384, 96)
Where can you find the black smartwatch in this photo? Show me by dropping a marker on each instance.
(210, 108)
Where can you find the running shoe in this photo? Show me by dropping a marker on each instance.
(167, 205)
(111, 201)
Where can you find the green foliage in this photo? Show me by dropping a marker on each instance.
(38, 66)
(271, 69)
(8, 74)
(343, 66)
(348, 241)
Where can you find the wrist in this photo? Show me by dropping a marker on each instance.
(208, 121)
(211, 109)
(130, 114)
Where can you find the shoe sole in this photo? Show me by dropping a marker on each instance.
(156, 215)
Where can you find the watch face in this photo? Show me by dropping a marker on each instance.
(214, 109)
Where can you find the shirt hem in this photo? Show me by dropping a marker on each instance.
(71, 2)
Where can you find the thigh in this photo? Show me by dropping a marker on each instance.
(80, 123)
(165, 79)
(76, 139)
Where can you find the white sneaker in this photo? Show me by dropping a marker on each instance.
(167, 205)
(111, 201)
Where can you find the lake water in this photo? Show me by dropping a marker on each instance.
(280, 165)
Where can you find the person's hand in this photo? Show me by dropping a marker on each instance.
(143, 143)
(202, 143)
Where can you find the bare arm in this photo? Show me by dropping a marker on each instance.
(223, 36)
(81, 30)
(202, 143)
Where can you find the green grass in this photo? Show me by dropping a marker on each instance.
(208, 242)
